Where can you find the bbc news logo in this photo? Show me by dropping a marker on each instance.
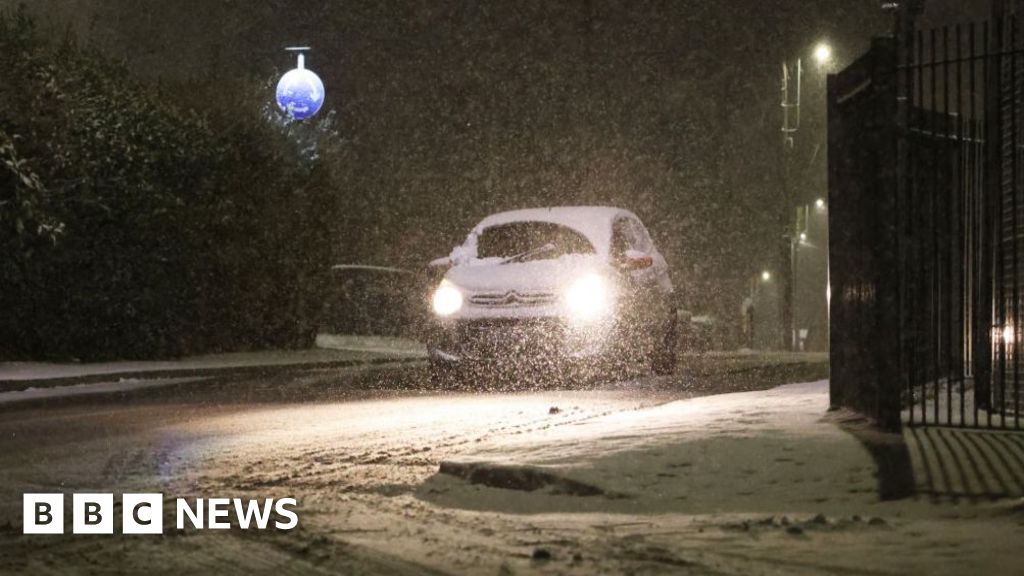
(144, 513)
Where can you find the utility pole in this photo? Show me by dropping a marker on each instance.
(794, 208)
(791, 101)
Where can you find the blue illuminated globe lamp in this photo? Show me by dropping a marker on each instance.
(300, 92)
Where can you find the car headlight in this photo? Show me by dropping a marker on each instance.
(447, 299)
(588, 298)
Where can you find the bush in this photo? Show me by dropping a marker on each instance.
(134, 226)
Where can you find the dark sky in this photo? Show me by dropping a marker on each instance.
(182, 36)
(948, 12)
(454, 109)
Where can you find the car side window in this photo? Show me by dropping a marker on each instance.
(622, 237)
(630, 234)
(642, 240)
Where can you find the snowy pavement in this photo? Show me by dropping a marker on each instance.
(761, 482)
(752, 452)
(331, 351)
(120, 386)
(645, 477)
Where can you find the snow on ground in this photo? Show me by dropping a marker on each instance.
(335, 349)
(953, 403)
(123, 385)
(761, 480)
(626, 482)
(638, 480)
(753, 451)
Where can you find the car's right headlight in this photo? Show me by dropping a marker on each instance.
(447, 299)
(588, 298)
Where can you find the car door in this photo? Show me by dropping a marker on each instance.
(659, 270)
(644, 302)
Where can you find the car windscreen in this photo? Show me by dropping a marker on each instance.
(506, 240)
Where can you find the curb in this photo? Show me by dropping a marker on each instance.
(19, 385)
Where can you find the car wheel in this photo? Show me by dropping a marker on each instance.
(665, 359)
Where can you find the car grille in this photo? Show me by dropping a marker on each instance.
(512, 299)
(497, 338)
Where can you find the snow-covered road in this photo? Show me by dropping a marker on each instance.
(642, 476)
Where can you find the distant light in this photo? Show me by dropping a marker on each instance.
(803, 236)
(822, 54)
(300, 92)
(819, 204)
(1008, 334)
(766, 276)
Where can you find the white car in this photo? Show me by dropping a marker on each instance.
(554, 286)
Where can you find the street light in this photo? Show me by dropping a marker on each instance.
(823, 54)
(766, 276)
(792, 76)
(819, 204)
(792, 88)
(300, 92)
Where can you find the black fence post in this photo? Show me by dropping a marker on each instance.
(888, 270)
(905, 32)
(983, 317)
(864, 227)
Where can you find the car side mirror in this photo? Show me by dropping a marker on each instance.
(440, 263)
(633, 260)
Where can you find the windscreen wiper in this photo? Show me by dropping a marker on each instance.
(549, 247)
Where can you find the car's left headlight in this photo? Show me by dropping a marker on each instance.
(588, 298)
(447, 299)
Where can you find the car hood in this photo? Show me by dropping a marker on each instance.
(534, 276)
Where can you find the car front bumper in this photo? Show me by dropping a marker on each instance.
(498, 341)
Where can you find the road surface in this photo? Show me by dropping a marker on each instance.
(354, 447)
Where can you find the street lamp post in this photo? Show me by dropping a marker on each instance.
(792, 88)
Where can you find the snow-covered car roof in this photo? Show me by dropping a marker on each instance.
(594, 222)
